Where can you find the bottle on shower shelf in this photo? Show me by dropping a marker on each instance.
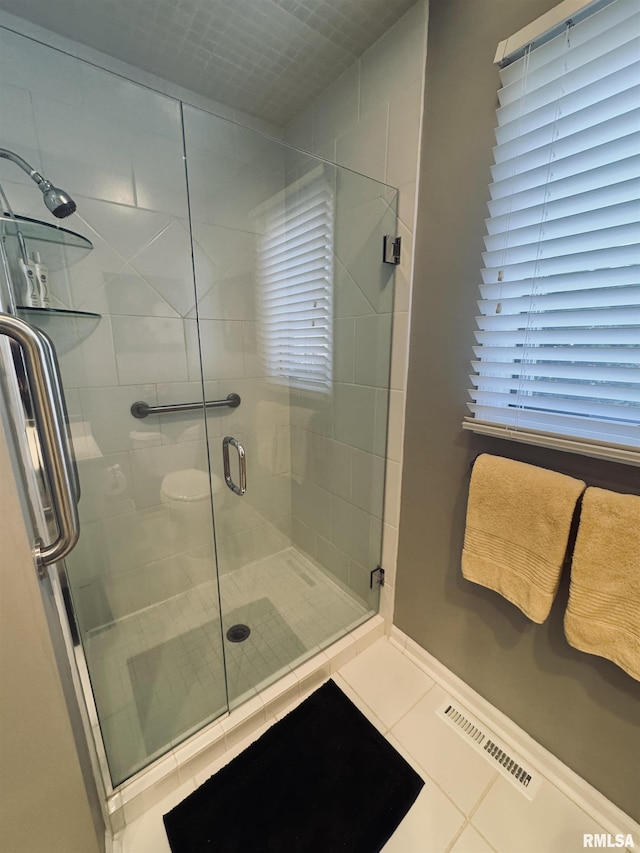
(42, 278)
(30, 286)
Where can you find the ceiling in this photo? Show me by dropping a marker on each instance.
(266, 57)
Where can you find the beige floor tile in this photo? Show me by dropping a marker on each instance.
(461, 772)
(551, 823)
(387, 681)
(430, 825)
(470, 841)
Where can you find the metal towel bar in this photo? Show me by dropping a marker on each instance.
(142, 409)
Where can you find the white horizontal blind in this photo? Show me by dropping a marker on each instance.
(295, 284)
(558, 340)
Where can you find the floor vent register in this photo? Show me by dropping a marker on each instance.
(503, 758)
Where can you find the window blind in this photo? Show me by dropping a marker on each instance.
(295, 273)
(558, 343)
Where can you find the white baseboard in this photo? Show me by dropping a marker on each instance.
(606, 813)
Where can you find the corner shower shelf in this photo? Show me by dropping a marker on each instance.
(66, 328)
(58, 247)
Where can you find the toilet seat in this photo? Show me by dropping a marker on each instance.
(189, 485)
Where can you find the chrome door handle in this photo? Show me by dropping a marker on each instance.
(63, 415)
(242, 465)
(43, 380)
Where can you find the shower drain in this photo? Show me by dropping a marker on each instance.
(238, 633)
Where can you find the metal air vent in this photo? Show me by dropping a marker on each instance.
(506, 760)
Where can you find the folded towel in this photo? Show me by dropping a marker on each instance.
(603, 614)
(518, 522)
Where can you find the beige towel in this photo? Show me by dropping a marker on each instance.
(518, 521)
(603, 614)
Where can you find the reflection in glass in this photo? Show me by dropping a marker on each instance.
(295, 283)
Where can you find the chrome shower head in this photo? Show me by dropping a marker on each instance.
(56, 200)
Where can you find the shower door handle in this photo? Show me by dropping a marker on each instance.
(43, 380)
(242, 464)
(63, 415)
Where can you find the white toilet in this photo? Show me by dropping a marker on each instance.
(186, 494)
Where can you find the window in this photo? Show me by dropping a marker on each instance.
(557, 359)
(295, 284)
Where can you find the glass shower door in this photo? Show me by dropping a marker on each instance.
(291, 310)
(142, 579)
(294, 309)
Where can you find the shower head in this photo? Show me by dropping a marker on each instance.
(56, 200)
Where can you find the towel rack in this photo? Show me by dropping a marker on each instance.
(142, 409)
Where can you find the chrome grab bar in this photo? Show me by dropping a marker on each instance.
(43, 381)
(142, 409)
(242, 463)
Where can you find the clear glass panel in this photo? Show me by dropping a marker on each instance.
(142, 578)
(295, 308)
(292, 311)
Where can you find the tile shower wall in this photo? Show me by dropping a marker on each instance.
(124, 166)
(369, 121)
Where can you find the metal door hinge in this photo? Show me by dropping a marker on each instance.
(376, 577)
(391, 249)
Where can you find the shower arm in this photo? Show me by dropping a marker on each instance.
(56, 200)
(33, 174)
(22, 245)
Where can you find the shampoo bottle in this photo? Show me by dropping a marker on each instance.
(42, 278)
(31, 288)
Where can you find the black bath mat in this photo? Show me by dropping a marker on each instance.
(321, 780)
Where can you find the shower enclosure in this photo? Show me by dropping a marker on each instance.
(220, 545)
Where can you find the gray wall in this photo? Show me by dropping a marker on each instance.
(582, 708)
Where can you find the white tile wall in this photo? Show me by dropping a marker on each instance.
(369, 121)
(363, 147)
(117, 148)
(334, 109)
(149, 348)
(165, 263)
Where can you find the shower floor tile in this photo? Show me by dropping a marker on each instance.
(158, 675)
(441, 820)
(177, 684)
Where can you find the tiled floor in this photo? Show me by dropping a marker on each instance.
(466, 805)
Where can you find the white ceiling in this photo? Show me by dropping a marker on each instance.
(266, 57)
